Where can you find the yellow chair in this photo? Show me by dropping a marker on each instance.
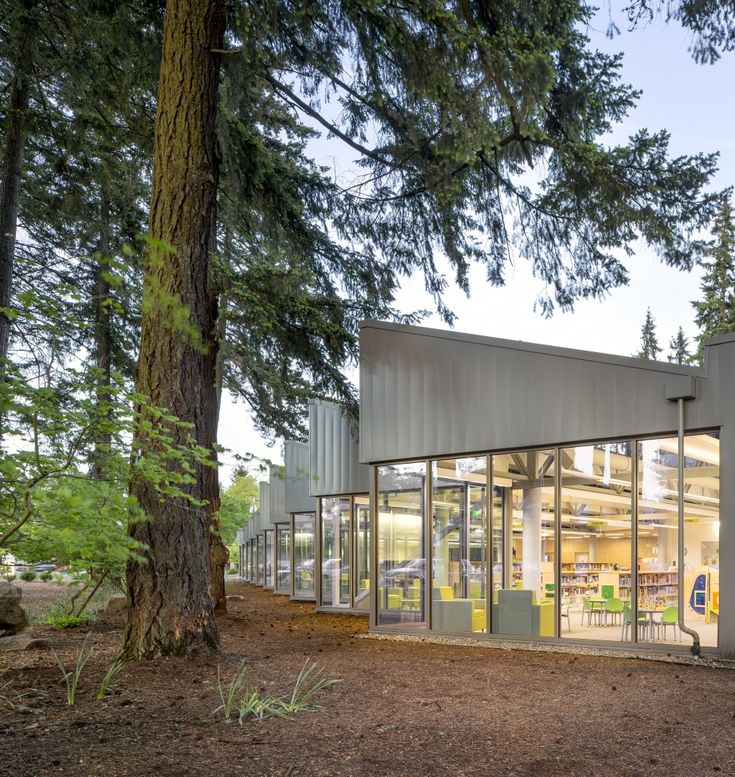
(395, 598)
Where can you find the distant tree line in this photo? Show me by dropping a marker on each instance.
(715, 309)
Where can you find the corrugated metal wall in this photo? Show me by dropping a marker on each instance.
(278, 512)
(265, 506)
(298, 499)
(427, 392)
(334, 465)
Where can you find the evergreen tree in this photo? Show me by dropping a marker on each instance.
(649, 342)
(715, 311)
(679, 348)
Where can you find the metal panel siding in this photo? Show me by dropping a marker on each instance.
(427, 393)
(297, 478)
(278, 512)
(265, 506)
(334, 466)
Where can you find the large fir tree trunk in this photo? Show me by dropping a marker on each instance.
(170, 609)
(218, 553)
(12, 165)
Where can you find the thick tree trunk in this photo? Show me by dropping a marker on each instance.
(10, 182)
(218, 553)
(103, 338)
(170, 610)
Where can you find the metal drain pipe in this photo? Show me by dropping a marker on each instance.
(680, 563)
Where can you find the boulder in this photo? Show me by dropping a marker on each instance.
(116, 602)
(12, 616)
(22, 642)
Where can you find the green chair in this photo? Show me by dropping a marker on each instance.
(590, 611)
(643, 623)
(614, 609)
(669, 617)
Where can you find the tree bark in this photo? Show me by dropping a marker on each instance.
(170, 608)
(11, 176)
(103, 338)
(218, 553)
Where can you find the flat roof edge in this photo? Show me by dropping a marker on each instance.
(546, 350)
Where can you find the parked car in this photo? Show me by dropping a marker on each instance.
(45, 566)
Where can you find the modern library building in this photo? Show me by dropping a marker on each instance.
(509, 491)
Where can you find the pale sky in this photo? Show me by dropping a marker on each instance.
(694, 102)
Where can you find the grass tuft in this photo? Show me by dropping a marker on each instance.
(72, 676)
(113, 670)
(240, 693)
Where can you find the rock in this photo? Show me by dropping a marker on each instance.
(236, 597)
(12, 616)
(22, 642)
(117, 602)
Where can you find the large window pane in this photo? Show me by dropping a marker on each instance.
(400, 544)
(659, 575)
(361, 582)
(459, 498)
(702, 535)
(260, 564)
(283, 558)
(304, 548)
(525, 480)
(596, 542)
(269, 558)
(335, 525)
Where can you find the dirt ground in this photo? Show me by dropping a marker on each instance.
(402, 708)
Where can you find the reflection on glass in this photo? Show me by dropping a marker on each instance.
(400, 544)
(459, 492)
(304, 527)
(283, 558)
(335, 525)
(269, 551)
(596, 525)
(260, 563)
(252, 552)
(361, 582)
(659, 576)
(525, 605)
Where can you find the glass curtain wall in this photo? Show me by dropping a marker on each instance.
(400, 544)
(596, 546)
(617, 524)
(260, 561)
(246, 562)
(304, 548)
(525, 486)
(269, 554)
(283, 558)
(252, 553)
(361, 580)
(335, 524)
(459, 544)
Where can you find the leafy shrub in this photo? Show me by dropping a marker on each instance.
(61, 617)
(59, 622)
(9, 578)
(46, 576)
(28, 575)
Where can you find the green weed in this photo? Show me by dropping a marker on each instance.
(72, 676)
(110, 676)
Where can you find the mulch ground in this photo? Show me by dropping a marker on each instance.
(402, 708)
